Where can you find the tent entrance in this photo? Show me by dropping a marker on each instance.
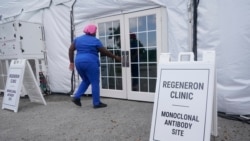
(136, 38)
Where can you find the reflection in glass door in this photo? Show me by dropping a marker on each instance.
(143, 38)
(142, 33)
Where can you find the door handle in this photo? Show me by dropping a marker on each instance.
(125, 59)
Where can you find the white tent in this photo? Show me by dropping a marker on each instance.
(222, 26)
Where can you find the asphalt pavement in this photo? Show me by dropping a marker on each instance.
(122, 120)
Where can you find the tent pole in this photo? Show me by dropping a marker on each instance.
(72, 29)
(195, 16)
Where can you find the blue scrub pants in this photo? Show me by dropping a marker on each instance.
(89, 72)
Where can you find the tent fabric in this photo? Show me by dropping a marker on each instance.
(55, 18)
(87, 10)
(12, 8)
(57, 31)
(57, 2)
(177, 22)
(223, 26)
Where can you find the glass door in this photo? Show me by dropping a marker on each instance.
(113, 82)
(136, 38)
(143, 44)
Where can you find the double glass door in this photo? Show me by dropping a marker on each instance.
(136, 38)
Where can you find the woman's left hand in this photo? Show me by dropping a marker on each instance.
(71, 66)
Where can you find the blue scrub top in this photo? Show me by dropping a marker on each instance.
(87, 49)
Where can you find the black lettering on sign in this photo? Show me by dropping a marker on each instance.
(11, 91)
(10, 95)
(178, 132)
(180, 116)
(14, 76)
(181, 95)
(12, 80)
(183, 85)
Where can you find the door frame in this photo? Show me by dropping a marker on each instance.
(161, 32)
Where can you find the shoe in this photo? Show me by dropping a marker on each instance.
(77, 101)
(101, 105)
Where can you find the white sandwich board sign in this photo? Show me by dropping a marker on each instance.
(183, 103)
(20, 79)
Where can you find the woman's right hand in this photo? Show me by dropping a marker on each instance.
(118, 58)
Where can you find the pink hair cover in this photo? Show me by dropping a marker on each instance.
(90, 29)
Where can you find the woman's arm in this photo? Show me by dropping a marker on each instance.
(71, 56)
(104, 51)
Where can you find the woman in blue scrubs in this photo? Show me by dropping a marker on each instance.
(87, 64)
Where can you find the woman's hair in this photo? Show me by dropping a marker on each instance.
(90, 29)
